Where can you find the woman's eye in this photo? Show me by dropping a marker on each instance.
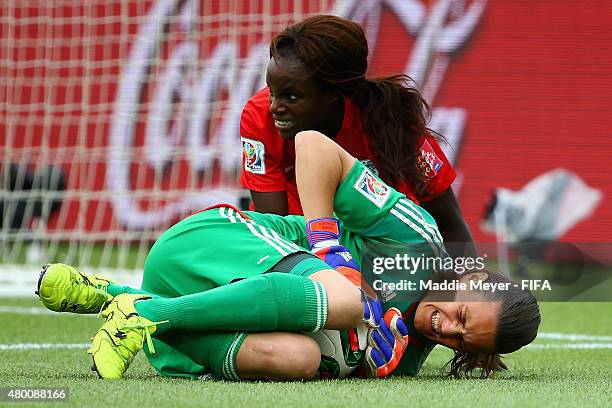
(293, 98)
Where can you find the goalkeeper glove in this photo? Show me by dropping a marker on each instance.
(386, 345)
(323, 235)
(339, 258)
(322, 232)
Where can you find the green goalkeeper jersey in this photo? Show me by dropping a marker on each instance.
(192, 256)
(376, 219)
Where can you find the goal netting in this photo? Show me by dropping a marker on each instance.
(121, 117)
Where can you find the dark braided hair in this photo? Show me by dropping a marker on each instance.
(334, 52)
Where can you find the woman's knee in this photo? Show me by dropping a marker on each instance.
(344, 306)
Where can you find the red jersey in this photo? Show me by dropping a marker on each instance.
(268, 160)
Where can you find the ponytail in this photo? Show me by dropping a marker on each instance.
(394, 117)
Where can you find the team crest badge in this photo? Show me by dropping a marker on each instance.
(254, 156)
(428, 161)
(373, 189)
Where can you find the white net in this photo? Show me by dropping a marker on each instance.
(121, 117)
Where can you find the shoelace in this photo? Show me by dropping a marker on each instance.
(102, 307)
(125, 348)
(138, 324)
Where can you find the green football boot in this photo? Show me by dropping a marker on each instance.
(122, 336)
(62, 288)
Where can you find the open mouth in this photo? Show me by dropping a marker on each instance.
(435, 322)
(283, 124)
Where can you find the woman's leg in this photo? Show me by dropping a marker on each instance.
(277, 356)
(269, 302)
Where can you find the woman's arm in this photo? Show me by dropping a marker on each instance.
(456, 233)
(270, 202)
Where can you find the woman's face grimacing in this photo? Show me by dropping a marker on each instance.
(466, 324)
(301, 104)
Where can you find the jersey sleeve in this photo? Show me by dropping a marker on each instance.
(261, 170)
(437, 172)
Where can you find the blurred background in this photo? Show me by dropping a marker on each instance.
(120, 117)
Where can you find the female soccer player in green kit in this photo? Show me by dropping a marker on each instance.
(220, 286)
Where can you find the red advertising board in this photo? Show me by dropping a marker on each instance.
(140, 101)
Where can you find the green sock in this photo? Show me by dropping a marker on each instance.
(268, 302)
(116, 290)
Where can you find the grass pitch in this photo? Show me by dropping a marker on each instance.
(569, 365)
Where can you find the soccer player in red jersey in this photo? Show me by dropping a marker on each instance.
(316, 81)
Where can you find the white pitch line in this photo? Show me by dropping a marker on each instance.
(20, 310)
(43, 346)
(573, 337)
(25, 310)
(569, 346)
(69, 346)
